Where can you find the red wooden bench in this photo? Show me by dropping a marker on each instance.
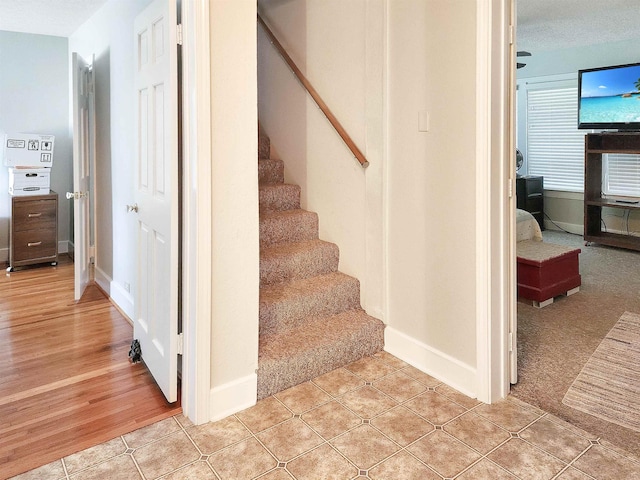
(546, 270)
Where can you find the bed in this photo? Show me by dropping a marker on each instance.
(527, 227)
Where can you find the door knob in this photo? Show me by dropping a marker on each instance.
(132, 208)
(76, 195)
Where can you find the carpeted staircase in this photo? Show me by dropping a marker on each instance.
(311, 321)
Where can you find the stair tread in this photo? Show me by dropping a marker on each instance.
(287, 359)
(276, 292)
(278, 196)
(316, 335)
(282, 249)
(287, 213)
(285, 226)
(286, 305)
(270, 171)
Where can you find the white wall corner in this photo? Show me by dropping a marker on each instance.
(122, 298)
(63, 246)
(449, 370)
(102, 279)
(232, 397)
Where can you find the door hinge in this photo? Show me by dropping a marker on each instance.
(179, 34)
(511, 34)
(510, 341)
(180, 344)
(510, 188)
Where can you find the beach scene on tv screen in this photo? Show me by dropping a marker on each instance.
(611, 95)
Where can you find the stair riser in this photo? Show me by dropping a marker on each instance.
(270, 171)
(274, 377)
(264, 147)
(279, 197)
(296, 307)
(292, 228)
(282, 268)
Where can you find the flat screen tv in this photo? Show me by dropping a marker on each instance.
(609, 97)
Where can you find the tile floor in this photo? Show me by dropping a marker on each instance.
(377, 418)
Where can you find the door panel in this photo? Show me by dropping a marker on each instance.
(156, 317)
(83, 128)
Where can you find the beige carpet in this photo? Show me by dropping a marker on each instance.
(608, 386)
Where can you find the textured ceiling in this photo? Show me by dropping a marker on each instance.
(46, 17)
(554, 24)
(542, 24)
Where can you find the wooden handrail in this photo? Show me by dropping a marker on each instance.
(314, 94)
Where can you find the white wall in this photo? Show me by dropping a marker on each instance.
(34, 98)
(108, 35)
(567, 209)
(431, 186)
(234, 196)
(339, 47)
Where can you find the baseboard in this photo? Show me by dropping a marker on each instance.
(567, 227)
(63, 246)
(121, 298)
(439, 365)
(102, 279)
(233, 397)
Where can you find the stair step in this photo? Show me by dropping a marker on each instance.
(287, 305)
(270, 171)
(288, 226)
(294, 261)
(264, 146)
(315, 348)
(274, 197)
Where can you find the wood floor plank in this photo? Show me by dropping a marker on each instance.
(66, 383)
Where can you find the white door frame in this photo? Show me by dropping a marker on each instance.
(493, 204)
(196, 227)
(493, 299)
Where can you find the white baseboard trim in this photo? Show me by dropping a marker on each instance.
(102, 279)
(121, 298)
(569, 227)
(439, 365)
(233, 397)
(63, 246)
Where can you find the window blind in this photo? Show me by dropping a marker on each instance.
(555, 146)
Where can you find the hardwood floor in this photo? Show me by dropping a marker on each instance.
(66, 380)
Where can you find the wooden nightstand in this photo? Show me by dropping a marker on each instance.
(33, 234)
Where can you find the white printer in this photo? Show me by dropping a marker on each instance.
(29, 158)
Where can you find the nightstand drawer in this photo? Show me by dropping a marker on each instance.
(34, 214)
(33, 245)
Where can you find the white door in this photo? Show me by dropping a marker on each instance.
(156, 192)
(83, 124)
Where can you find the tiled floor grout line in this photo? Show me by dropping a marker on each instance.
(570, 464)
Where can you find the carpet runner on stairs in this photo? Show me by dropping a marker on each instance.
(311, 321)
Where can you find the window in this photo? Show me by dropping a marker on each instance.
(555, 146)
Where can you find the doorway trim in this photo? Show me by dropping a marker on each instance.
(196, 184)
(493, 254)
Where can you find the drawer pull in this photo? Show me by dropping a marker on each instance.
(34, 244)
(33, 215)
